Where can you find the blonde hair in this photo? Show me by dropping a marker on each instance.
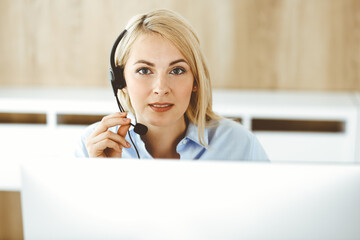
(177, 30)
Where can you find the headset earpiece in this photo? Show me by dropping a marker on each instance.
(116, 73)
(116, 78)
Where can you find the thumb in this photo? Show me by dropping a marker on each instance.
(123, 130)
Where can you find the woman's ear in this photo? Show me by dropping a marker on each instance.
(125, 90)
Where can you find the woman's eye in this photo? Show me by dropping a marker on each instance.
(144, 71)
(178, 71)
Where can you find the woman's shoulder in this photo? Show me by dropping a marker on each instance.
(229, 128)
(234, 139)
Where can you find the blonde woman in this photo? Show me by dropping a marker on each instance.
(166, 88)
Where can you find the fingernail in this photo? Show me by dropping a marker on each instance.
(128, 144)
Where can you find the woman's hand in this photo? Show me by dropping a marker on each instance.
(104, 143)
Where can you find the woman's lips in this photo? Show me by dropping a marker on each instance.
(161, 107)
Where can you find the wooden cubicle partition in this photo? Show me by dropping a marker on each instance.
(257, 44)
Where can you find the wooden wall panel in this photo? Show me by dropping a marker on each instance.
(11, 226)
(255, 44)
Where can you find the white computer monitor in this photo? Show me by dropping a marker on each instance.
(169, 199)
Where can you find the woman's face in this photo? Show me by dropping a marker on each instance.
(159, 81)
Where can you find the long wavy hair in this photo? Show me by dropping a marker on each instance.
(177, 30)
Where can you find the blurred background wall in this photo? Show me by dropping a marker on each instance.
(249, 44)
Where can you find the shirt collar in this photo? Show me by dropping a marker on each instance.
(192, 133)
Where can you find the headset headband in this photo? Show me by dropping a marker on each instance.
(113, 50)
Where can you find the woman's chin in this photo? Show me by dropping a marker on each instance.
(162, 122)
(159, 123)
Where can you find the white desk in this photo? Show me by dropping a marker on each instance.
(54, 138)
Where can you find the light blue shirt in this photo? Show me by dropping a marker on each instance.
(227, 140)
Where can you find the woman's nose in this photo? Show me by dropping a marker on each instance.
(161, 86)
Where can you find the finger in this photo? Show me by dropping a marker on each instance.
(102, 148)
(111, 121)
(99, 147)
(112, 154)
(122, 131)
(110, 135)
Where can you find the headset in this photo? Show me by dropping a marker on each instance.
(117, 80)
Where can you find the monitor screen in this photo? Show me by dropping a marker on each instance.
(169, 199)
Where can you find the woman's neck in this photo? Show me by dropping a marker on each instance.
(161, 142)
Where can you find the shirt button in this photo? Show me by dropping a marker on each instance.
(184, 141)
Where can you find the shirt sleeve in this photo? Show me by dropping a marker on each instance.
(257, 152)
(80, 150)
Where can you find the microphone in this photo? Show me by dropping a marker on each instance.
(140, 129)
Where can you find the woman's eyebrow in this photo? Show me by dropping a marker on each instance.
(144, 62)
(177, 61)
(152, 64)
